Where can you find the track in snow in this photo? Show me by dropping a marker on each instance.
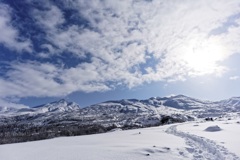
(203, 148)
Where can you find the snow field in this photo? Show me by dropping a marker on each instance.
(228, 136)
(151, 143)
(202, 148)
(172, 142)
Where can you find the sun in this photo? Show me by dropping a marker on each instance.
(203, 57)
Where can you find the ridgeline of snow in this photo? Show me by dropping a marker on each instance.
(54, 107)
(58, 106)
(179, 104)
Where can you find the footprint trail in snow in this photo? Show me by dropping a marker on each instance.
(203, 148)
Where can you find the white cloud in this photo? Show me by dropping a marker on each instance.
(130, 43)
(8, 104)
(49, 18)
(160, 27)
(10, 35)
(40, 80)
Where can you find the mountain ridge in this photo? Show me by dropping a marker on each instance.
(175, 101)
(63, 118)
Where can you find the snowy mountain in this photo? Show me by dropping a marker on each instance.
(57, 107)
(49, 108)
(184, 102)
(62, 118)
(232, 103)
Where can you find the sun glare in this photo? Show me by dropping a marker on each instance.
(203, 57)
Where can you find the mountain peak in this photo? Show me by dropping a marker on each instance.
(61, 101)
(58, 106)
(179, 96)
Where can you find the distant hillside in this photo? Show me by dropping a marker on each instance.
(62, 118)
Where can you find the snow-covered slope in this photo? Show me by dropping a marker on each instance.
(179, 104)
(232, 104)
(134, 112)
(54, 107)
(184, 102)
(186, 141)
(58, 106)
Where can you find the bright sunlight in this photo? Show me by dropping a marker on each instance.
(202, 57)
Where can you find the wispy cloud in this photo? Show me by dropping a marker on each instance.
(122, 43)
(10, 104)
(9, 35)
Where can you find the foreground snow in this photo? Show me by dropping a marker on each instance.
(177, 141)
(227, 136)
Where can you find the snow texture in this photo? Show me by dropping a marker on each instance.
(203, 148)
(173, 142)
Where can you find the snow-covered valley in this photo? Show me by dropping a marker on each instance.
(189, 140)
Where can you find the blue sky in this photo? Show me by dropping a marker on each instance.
(97, 50)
